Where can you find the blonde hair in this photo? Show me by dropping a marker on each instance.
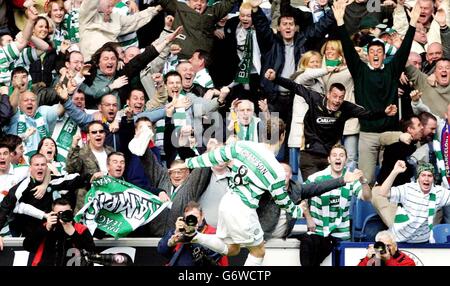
(336, 44)
(245, 5)
(49, 4)
(304, 60)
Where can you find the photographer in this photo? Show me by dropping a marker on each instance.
(54, 241)
(193, 254)
(385, 252)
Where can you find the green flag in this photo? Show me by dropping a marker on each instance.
(118, 207)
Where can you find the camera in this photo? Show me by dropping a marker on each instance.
(380, 247)
(191, 223)
(191, 220)
(65, 216)
(107, 259)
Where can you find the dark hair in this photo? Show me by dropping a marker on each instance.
(68, 55)
(337, 85)
(48, 25)
(41, 143)
(19, 70)
(424, 117)
(203, 55)
(338, 146)
(4, 145)
(105, 48)
(141, 119)
(408, 122)
(135, 89)
(443, 59)
(116, 153)
(93, 123)
(61, 202)
(171, 73)
(192, 205)
(286, 14)
(375, 42)
(11, 140)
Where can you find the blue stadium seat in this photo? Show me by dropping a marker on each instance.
(366, 222)
(441, 233)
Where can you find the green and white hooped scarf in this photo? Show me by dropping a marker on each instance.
(40, 125)
(245, 65)
(402, 218)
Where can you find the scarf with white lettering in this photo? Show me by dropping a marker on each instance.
(245, 65)
(442, 164)
(64, 136)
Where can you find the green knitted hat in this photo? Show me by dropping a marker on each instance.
(425, 167)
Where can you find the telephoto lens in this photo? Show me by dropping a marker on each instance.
(380, 246)
(110, 259)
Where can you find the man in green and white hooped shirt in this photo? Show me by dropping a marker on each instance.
(328, 218)
(254, 171)
(419, 201)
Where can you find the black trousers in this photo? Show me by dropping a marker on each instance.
(311, 163)
(315, 248)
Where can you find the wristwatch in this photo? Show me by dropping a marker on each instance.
(363, 181)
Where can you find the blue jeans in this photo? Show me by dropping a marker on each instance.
(294, 162)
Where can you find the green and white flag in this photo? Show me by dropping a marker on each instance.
(118, 207)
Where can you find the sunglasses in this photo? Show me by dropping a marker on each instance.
(97, 131)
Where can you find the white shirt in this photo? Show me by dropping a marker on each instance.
(101, 159)
(13, 177)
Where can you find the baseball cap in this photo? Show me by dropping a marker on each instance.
(371, 22)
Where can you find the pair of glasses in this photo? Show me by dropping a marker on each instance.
(177, 172)
(97, 131)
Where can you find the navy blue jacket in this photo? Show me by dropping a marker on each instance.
(272, 46)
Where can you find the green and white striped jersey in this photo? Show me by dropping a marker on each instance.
(8, 54)
(27, 56)
(331, 210)
(255, 171)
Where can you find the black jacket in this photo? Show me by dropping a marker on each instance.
(22, 193)
(272, 46)
(55, 247)
(269, 212)
(322, 127)
(393, 153)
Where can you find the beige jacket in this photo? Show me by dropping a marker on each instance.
(94, 31)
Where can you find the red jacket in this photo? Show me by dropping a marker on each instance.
(398, 259)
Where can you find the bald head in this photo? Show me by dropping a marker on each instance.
(130, 53)
(434, 52)
(415, 60)
(28, 103)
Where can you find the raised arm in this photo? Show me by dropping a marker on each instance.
(264, 33)
(385, 188)
(134, 22)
